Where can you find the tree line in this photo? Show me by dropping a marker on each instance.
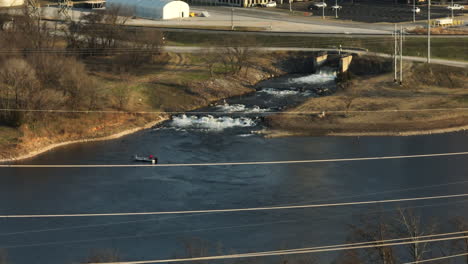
(43, 63)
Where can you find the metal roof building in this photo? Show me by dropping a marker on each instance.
(152, 9)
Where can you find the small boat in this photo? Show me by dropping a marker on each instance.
(154, 160)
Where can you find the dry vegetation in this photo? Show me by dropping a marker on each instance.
(440, 31)
(424, 87)
(98, 65)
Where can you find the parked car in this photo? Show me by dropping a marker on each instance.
(456, 7)
(320, 4)
(417, 10)
(317, 5)
(271, 4)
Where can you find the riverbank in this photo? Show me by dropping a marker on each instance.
(61, 144)
(185, 82)
(432, 99)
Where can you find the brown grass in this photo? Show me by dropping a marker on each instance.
(180, 83)
(439, 31)
(425, 87)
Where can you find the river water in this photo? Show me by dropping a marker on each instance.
(224, 136)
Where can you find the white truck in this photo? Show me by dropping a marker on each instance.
(455, 7)
(444, 22)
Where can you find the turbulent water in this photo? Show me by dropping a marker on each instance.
(323, 76)
(224, 132)
(210, 122)
(246, 112)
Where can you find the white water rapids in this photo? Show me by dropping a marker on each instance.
(210, 122)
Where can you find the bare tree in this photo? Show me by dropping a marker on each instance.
(213, 59)
(411, 225)
(141, 47)
(374, 228)
(196, 247)
(348, 100)
(18, 86)
(461, 225)
(238, 54)
(103, 255)
(123, 92)
(77, 85)
(29, 32)
(98, 32)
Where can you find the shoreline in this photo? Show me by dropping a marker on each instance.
(436, 131)
(85, 140)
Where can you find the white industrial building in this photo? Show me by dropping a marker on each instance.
(8, 3)
(240, 3)
(152, 9)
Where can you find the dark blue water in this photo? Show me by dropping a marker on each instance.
(221, 137)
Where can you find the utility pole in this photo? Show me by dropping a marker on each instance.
(336, 8)
(395, 68)
(401, 55)
(414, 11)
(290, 5)
(451, 9)
(429, 31)
(323, 11)
(398, 55)
(232, 18)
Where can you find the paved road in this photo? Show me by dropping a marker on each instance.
(193, 49)
(295, 34)
(371, 12)
(302, 23)
(281, 23)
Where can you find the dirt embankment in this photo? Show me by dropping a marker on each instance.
(184, 83)
(432, 99)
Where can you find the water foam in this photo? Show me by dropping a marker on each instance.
(210, 122)
(240, 108)
(279, 93)
(321, 77)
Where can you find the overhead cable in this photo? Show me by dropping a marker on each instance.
(245, 163)
(255, 209)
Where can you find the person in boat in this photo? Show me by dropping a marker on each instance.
(151, 157)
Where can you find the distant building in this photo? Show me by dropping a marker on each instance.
(9, 3)
(249, 3)
(152, 9)
(241, 3)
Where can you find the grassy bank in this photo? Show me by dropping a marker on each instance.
(375, 105)
(443, 48)
(177, 82)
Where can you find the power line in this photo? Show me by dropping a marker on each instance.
(372, 242)
(146, 235)
(177, 232)
(319, 200)
(287, 252)
(233, 112)
(434, 259)
(251, 209)
(246, 163)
